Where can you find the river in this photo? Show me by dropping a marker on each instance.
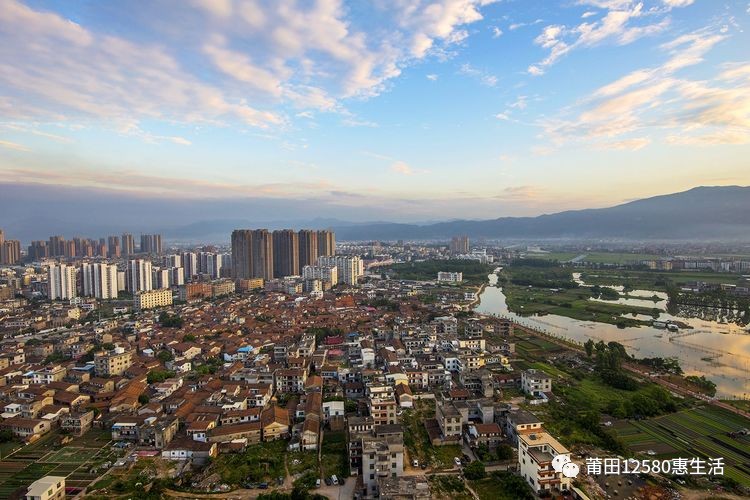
(720, 351)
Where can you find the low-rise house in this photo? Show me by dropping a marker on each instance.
(76, 423)
(46, 488)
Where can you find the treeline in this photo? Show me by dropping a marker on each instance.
(540, 276)
(427, 270)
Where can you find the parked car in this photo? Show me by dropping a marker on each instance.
(457, 461)
(423, 465)
(263, 486)
(415, 463)
(329, 482)
(335, 479)
(317, 483)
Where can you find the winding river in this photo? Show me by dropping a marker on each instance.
(720, 351)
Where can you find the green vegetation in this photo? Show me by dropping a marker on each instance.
(475, 470)
(618, 258)
(705, 385)
(450, 486)
(417, 441)
(473, 272)
(167, 320)
(156, 376)
(502, 485)
(259, 462)
(334, 454)
(543, 287)
(164, 356)
(704, 432)
(558, 256)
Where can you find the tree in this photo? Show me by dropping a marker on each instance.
(6, 435)
(589, 345)
(475, 470)
(188, 338)
(165, 356)
(504, 452)
(143, 398)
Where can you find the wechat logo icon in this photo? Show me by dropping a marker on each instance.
(562, 463)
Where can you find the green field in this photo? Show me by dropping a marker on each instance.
(618, 258)
(652, 280)
(473, 271)
(699, 432)
(259, 462)
(558, 256)
(334, 454)
(75, 461)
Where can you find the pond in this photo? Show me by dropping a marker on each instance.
(720, 351)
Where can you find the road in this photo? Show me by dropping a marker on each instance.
(642, 374)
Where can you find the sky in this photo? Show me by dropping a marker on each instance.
(403, 110)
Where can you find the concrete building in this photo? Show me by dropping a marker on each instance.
(127, 247)
(61, 282)
(152, 299)
(46, 488)
(326, 243)
(151, 243)
(535, 453)
(10, 252)
(139, 276)
(241, 254)
(324, 273)
(348, 267)
(99, 280)
(111, 363)
(285, 253)
(535, 381)
(450, 277)
(382, 456)
(308, 248)
(261, 254)
(459, 245)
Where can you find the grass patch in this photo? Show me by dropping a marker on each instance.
(259, 462)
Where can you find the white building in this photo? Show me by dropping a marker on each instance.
(323, 273)
(189, 265)
(61, 282)
(162, 278)
(535, 381)
(139, 277)
(535, 453)
(450, 277)
(46, 488)
(348, 267)
(99, 280)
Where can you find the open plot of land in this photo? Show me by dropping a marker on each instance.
(334, 458)
(701, 432)
(618, 258)
(46, 456)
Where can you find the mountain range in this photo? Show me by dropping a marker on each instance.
(715, 213)
(701, 213)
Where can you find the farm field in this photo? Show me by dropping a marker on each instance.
(699, 432)
(558, 256)
(74, 461)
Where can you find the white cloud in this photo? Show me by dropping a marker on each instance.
(267, 56)
(401, 167)
(496, 32)
(648, 100)
(432, 77)
(14, 146)
(627, 144)
(482, 76)
(587, 14)
(502, 116)
(624, 22)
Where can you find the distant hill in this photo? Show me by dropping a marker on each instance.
(715, 213)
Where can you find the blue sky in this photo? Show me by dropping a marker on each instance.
(389, 109)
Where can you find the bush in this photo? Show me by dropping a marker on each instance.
(475, 470)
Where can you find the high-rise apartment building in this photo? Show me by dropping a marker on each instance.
(348, 267)
(127, 247)
(308, 248)
(151, 243)
(99, 280)
(241, 254)
(38, 250)
(459, 245)
(285, 253)
(113, 246)
(10, 252)
(322, 273)
(56, 246)
(61, 282)
(261, 254)
(139, 276)
(326, 243)
(189, 265)
(161, 278)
